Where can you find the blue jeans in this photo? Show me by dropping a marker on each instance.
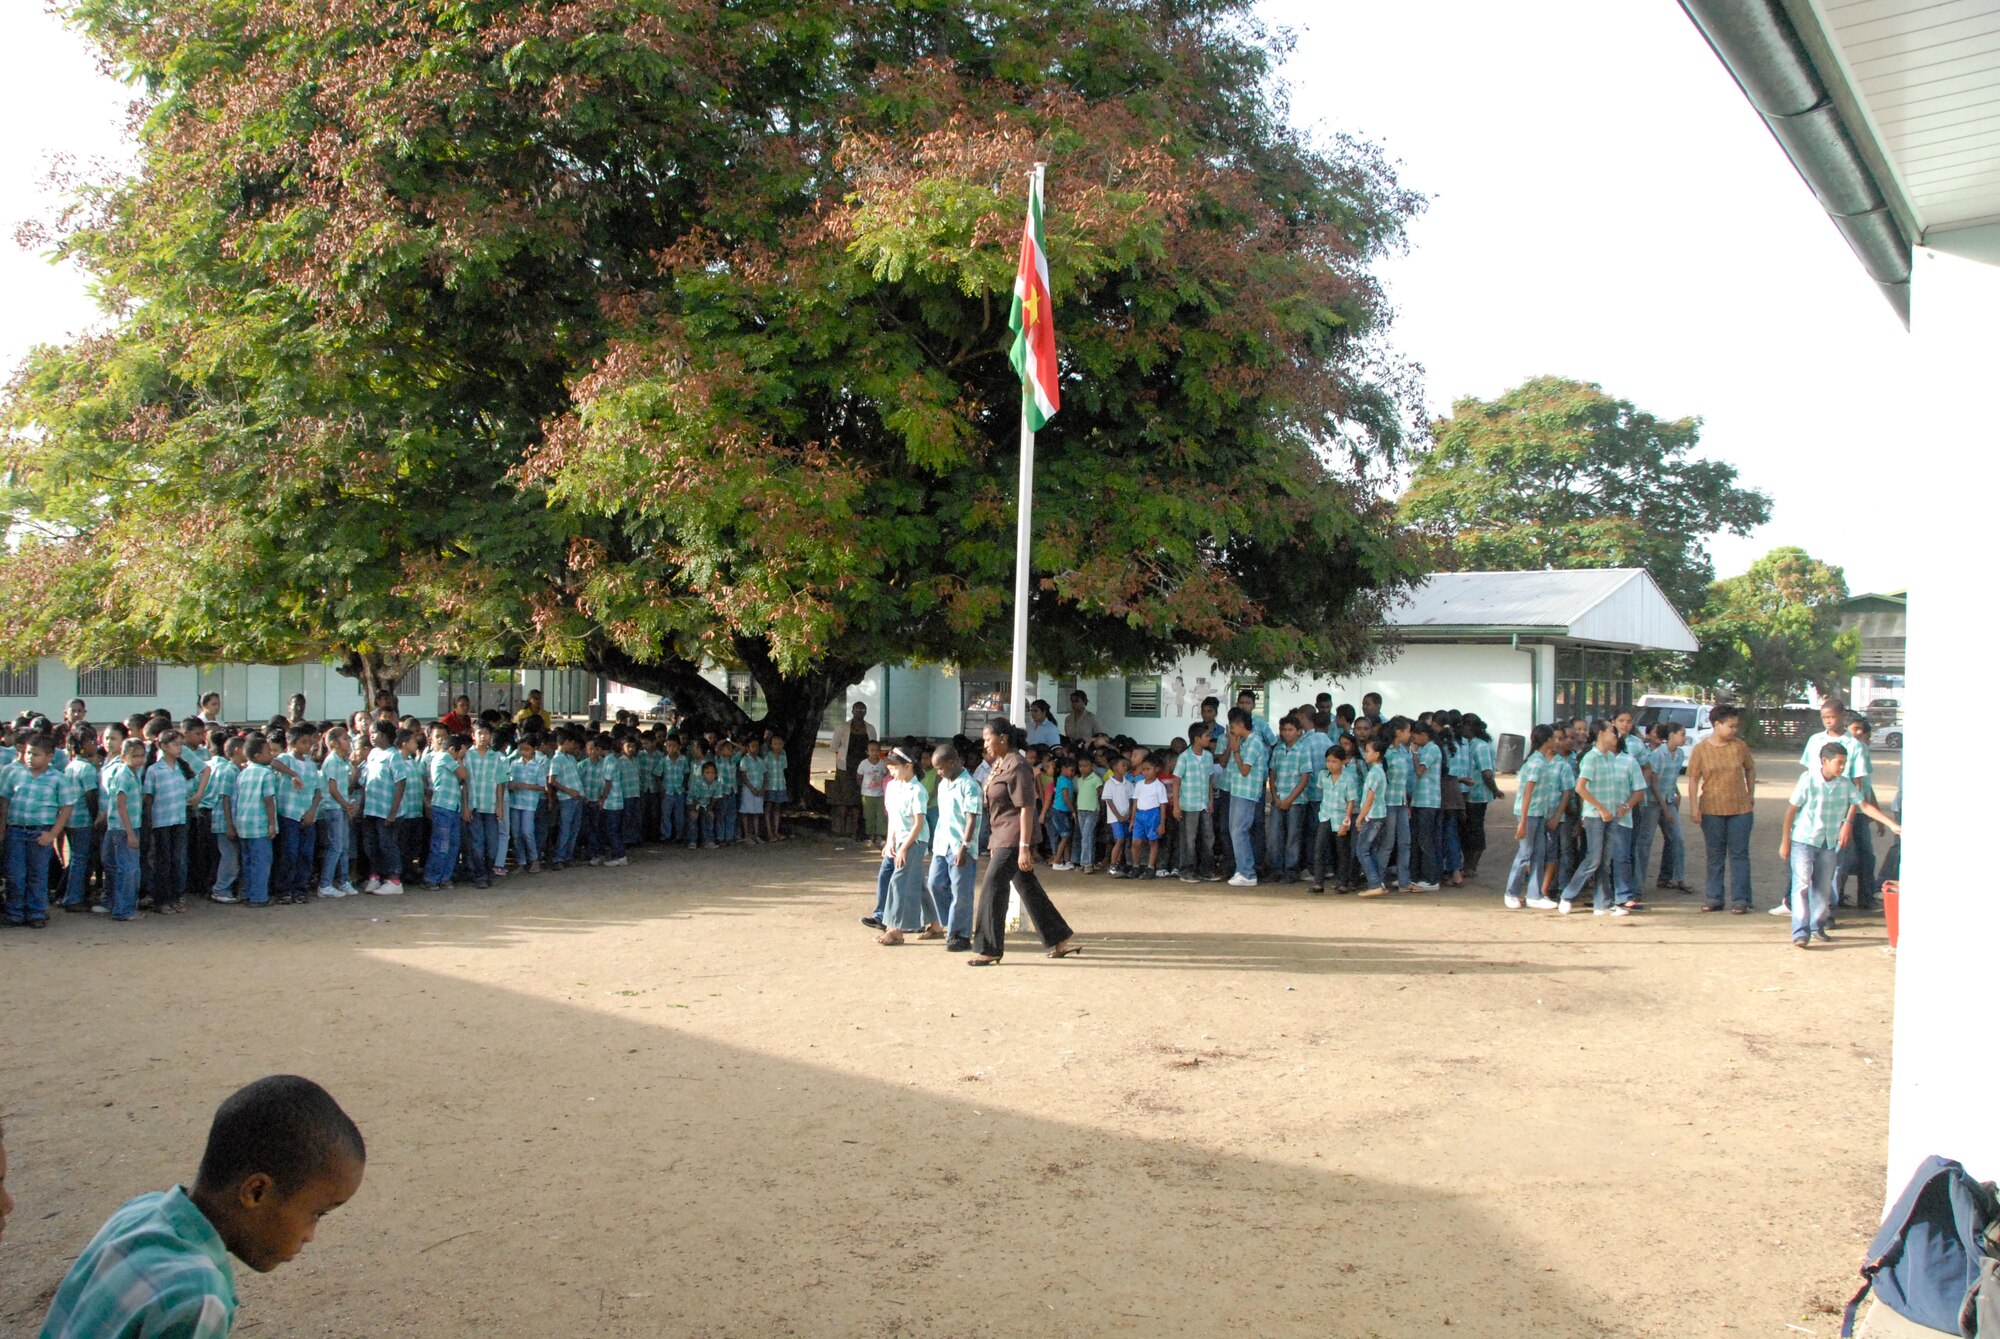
(1398, 818)
(1291, 826)
(27, 874)
(1858, 858)
(1524, 877)
(673, 817)
(1451, 848)
(334, 865)
(701, 827)
(528, 850)
(1812, 888)
(1673, 850)
(1618, 886)
(952, 887)
(1726, 838)
(907, 909)
(83, 844)
(121, 875)
(607, 833)
(296, 841)
(482, 844)
(256, 855)
(1086, 846)
(1370, 849)
(725, 819)
(1645, 822)
(228, 864)
(569, 822)
(441, 861)
(1243, 813)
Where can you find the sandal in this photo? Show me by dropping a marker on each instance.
(982, 961)
(1065, 950)
(891, 939)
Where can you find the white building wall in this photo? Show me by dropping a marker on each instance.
(1944, 1090)
(249, 692)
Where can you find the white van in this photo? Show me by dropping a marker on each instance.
(1683, 711)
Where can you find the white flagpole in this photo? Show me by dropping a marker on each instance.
(1023, 538)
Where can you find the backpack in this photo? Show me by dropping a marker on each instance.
(1925, 1258)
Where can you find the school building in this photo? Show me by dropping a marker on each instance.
(255, 693)
(1515, 647)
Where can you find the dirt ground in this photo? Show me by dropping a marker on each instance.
(692, 1098)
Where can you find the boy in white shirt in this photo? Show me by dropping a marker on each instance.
(873, 774)
(1117, 797)
(1149, 798)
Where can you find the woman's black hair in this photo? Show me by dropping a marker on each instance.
(1375, 743)
(1016, 737)
(1597, 729)
(1539, 736)
(1472, 727)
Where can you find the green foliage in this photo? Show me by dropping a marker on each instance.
(1771, 632)
(1557, 474)
(634, 333)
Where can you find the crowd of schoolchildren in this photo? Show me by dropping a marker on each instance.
(1356, 802)
(142, 814)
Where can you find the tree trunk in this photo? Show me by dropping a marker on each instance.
(376, 674)
(795, 706)
(694, 697)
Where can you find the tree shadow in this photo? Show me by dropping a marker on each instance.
(539, 1168)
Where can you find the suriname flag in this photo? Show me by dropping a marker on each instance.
(1033, 320)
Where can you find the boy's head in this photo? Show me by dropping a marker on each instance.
(232, 748)
(1149, 767)
(39, 751)
(1119, 765)
(1288, 730)
(1858, 727)
(440, 736)
(600, 746)
(281, 1155)
(708, 770)
(1833, 714)
(1832, 760)
(384, 735)
(1420, 731)
(1066, 765)
(1198, 738)
(301, 737)
(257, 747)
(133, 753)
(528, 745)
(945, 758)
(1335, 760)
(482, 735)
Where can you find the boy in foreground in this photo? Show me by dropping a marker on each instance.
(281, 1155)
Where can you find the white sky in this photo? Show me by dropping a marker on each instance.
(1606, 206)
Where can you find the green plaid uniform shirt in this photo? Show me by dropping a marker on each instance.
(1823, 808)
(442, 771)
(156, 1267)
(1315, 743)
(1480, 763)
(379, 776)
(483, 774)
(674, 775)
(1334, 797)
(255, 784)
(413, 787)
(1288, 767)
(1546, 778)
(169, 790)
(1254, 752)
(1374, 798)
(1196, 773)
(221, 785)
(628, 777)
(1427, 790)
(566, 770)
(1612, 777)
(117, 779)
(536, 774)
(293, 801)
(958, 801)
(1400, 767)
(34, 801)
(335, 773)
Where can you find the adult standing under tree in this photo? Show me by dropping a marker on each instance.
(1081, 725)
(1013, 819)
(850, 747)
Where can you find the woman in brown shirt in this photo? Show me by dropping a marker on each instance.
(1011, 817)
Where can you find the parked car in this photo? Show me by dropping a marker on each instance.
(1889, 737)
(1683, 711)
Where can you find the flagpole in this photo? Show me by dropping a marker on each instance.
(1024, 506)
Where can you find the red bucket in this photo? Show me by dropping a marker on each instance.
(1892, 900)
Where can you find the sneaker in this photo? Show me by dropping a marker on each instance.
(226, 899)
(1565, 906)
(1802, 943)
(1780, 910)
(706, 846)
(1163, 874)
(393, 888)
(1061, 865)
(1238, 881)
(1822, 936)
(1423, 888)
(597, 860)
(1212, 878)
(614, 864)
(348, 890)
(1377, 891)
(100, 910)
(373, 885)
(1511, 902)
(1190, 878)
(874, 922)
(328, 890)
(1619, 911)
(1600, 911)
(1543, 903)
(499, 871)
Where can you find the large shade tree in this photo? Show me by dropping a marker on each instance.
(1558, 474)
(643, 334)
(1773, 631)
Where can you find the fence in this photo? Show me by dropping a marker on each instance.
(1777, 725)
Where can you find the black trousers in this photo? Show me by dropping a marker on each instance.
(989, 931)
(1472, 829)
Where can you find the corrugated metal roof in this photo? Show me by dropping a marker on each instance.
(1614, 606)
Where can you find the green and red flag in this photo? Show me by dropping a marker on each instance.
(1033, 320)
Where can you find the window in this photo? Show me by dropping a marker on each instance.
(411, 681)
(1592, 683)
(1142, 696)
(742, 689)
(21, 683)
(119, 681)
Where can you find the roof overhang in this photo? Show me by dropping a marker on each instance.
(1889, 109)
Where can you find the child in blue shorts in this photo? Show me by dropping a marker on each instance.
(1149, 799)
(1117, 797)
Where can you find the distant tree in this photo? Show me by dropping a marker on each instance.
(1770, 633)
(1558, 474)
(644, 335)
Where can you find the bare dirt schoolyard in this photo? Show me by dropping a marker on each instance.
(692, 1098)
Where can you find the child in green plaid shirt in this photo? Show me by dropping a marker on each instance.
(1819, 823)
(38, 801)
(605, 803)
(252, 814)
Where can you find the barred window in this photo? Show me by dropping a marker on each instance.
(1142, 696)
(411, 681)
(119, 681)
(21, 683)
